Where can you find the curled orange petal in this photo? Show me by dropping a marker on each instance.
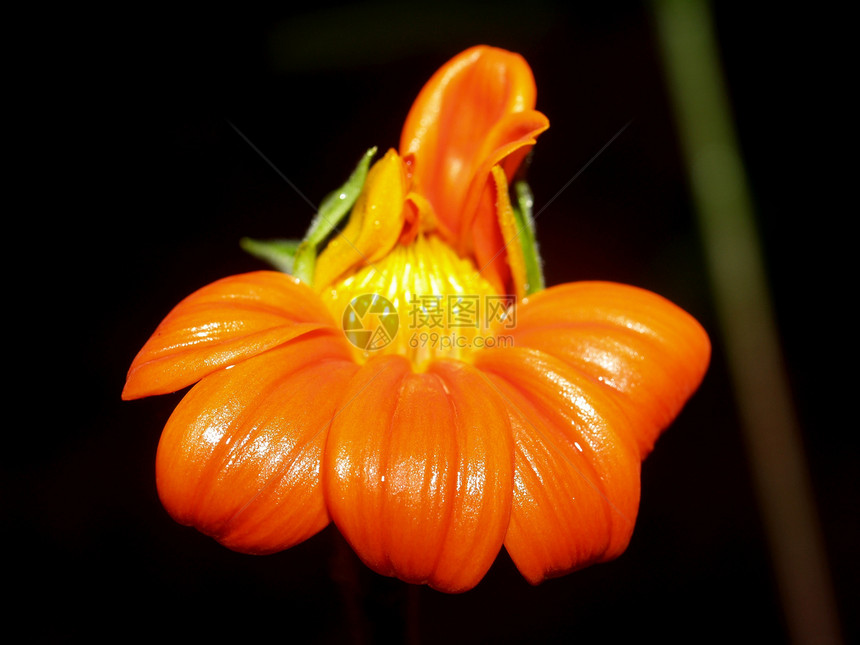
(220, 324)
(476, 112)
(240, 457)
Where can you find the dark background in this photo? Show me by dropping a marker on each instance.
(138, 189)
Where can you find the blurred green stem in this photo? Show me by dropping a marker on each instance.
(749, 333)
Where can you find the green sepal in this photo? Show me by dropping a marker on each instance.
(522, 207)
(280, 254)
(334, 207)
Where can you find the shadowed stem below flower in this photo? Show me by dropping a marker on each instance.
(345, 573)
(375, 608)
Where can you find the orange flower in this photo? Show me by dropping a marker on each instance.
(393, 386)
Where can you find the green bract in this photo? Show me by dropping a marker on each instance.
(298, 257)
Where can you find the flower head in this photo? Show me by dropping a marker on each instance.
(412, 380)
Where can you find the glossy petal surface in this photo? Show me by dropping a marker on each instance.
(221, 324)
(648, 352)
(576, 487)
(240, 457)
(419, 472)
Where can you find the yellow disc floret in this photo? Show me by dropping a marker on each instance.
(421, 301)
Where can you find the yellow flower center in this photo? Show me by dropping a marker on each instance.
(421, 301)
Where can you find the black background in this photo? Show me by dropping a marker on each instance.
(135, 187)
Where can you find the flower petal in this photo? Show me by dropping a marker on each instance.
(419, 472)
(479, 234)
(240, 457)
(221, 324)
(475, 112)
(648, 352)
(576, 486)
(374, 225)
(510, 246)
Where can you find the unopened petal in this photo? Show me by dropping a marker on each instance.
(475, 112)
(240, 457)
(221, 324)
(419, 472)
(479, 232)
(510, 246)
(375, 223)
